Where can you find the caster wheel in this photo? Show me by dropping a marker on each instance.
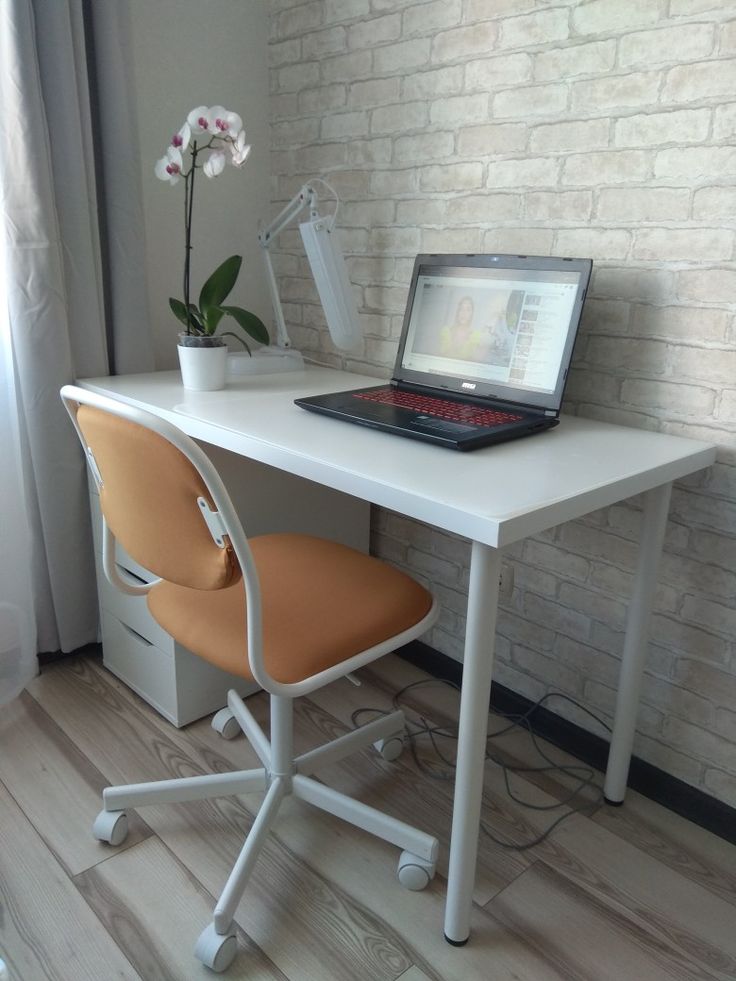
(216, 951)
(390, 749)
(226, 724)
(415, 873)
(111, 826)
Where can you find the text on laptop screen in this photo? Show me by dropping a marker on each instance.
(503, 326)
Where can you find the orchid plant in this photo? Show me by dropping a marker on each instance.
(220, 133)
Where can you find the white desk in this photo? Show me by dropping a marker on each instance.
(494, 497)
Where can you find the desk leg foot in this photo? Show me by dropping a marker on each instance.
(613, 803)
(457, 943)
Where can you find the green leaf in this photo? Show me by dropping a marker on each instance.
(212, 317)
(250, 323)
(229, 333)
(220, 283)
(180, 312)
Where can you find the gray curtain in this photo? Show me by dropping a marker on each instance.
(70, 189)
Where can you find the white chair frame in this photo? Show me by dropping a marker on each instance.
(282, 773)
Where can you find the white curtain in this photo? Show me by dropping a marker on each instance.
(70, 261)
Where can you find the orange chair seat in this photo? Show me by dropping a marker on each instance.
(322, 603)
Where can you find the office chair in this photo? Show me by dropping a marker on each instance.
(290, 611)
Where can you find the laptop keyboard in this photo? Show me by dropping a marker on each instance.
(439, 408)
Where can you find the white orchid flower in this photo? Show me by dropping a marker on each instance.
(240, 149)
(168, 168)
(198, 121)
(224, 122)
(181, 139)
(214, 164)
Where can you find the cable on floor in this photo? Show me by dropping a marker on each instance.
(419, 727)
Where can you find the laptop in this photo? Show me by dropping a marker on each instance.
(484, 352)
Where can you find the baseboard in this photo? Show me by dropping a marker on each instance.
(676, 795)
(50, 657)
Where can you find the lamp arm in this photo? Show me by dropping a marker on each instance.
(304, 198)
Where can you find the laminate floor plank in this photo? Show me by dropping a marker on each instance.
(47, 931)
(684, 921)
(55, 785)
(628, 895)
(155, 910)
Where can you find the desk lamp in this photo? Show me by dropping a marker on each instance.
(331, 279)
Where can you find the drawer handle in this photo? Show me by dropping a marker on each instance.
(133, 575)
(135, 634)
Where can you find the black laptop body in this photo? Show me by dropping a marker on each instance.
(484, 353)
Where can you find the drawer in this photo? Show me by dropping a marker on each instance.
(145, 668)
(133, 611)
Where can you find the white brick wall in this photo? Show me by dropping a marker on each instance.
(602, 128)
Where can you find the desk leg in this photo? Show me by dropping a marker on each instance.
(654, 521)
(485, 569)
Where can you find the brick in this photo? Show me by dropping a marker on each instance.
(687, 639)
(590, 134)
(344, 125)
(707, 285)
(483, 208)
(539, 666)
(594, 604)
(451, 240)
(684, 42)
(600, 95)
(402, 56)
(434, 83)
(451, 177)
(366, 213)
(325, 157)
(667, 759)
(516, 629)
(322, 43)
(680, 126)
(386, 299)
(610, 167)
(702, 509)
(607, 316)
(707, 80)
(395, 241)
(322, 99)
(631, 354)
(677, 397)
(360, 153)
(424, 148)
(347, 67)
(465, 108)
(722, 785)
(554, 559)
(603, 700)
(726, 412)
(292, 78)
(483, 10)
(601, 243)
(394, 181)
(283, 106)
(699, 742)
(536, 100)
(727, 39)
(295, 22)
(679, 323)
(338, 10)
(717, 203)
(602, 16)
(399, 119)
(284, 53)
(530, 172)
(558, 617)
(435, 15)
(368, 33)
(464, 42)
(518, 241)
(534, 29)
(374, 92)
(294, 132)
(683, 244)
(492, 138)
(688, 574)
(646, 285)
(587, 660)
(643, 204)
(724, 122)
(696, 164)
(500, 71)
(579, 59)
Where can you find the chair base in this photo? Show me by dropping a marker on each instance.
(282, 774)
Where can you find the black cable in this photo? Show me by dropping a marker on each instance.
(416, 728)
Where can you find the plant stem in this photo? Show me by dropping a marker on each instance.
(188, 201)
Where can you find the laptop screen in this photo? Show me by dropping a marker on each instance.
(494, 325)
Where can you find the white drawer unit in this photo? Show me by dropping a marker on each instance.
(179, 685)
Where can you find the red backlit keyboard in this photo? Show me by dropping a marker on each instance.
(471, 415)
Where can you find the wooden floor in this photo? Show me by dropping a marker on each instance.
(632, 893)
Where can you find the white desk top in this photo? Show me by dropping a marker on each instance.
(495, 495)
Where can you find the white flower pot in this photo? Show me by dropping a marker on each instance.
(203, 368)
